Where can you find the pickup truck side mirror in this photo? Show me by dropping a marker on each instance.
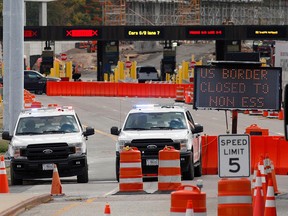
(114, 130)
(6, 135)
(89, 131)
(197, 128)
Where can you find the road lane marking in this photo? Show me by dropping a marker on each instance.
(106, 134)
(90, 200)
(113, 137)
(65, 209)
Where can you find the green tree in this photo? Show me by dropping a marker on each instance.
(64, 13)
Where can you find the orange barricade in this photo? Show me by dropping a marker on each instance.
(110, 89)
(180, 198)
(169, 170)
(234, 197)
(277, 147)
(281, 114)
(209, 158)
(130, 176)
(255, 130)
(179, 94)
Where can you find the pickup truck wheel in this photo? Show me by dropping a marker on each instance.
(117, 168)
(189, 174)
(15, 181)
(198, 169)
(84, 177)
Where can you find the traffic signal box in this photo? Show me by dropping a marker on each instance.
(47, 61)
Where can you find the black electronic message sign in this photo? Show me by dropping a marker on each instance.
(144, 32)
(81, 33)
(205, 32)
(246, 88)
(266, 32)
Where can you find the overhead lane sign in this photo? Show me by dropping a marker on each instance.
(144, 32)
(234, 155)
(205, 32)
(266, 32)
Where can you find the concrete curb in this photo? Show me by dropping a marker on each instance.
(27, 204)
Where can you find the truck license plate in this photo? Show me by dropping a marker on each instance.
(152, 162)
(47, 166)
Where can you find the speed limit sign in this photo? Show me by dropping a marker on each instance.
(234, 155)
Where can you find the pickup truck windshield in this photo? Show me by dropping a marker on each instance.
(155, 121)
(47, 125)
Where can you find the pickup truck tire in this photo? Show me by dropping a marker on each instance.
(84, 177)
(189, 174)
(198, 169)
(15, 181)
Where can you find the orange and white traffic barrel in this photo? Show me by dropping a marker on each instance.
(184, 193)
(189, 95)
(169, 169)
(130, 173)
(234, 197)
(180, 97)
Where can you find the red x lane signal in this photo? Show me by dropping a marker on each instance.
(32, 34)
(82, 33)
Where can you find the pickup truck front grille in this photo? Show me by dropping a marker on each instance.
(152, 146)
(47, 151)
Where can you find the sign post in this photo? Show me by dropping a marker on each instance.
(234, 155)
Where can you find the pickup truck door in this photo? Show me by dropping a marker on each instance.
(196, 139)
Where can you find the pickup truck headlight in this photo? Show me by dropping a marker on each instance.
(79, 148)
(183, 144)
(16, 153)
(121, 144)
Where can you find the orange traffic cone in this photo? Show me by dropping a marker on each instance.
(107, 210)
(56, 188)
(258, 198)
(263, 175)
(189, 208)
(4, 188)
(276, 191)
(270, 205)
(254, 177)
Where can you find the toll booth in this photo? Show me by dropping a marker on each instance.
(107, 57)
(168, 62)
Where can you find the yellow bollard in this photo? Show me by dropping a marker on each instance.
(133, 70)
(185, 68)
(180, 75)
(111, 78)
(264, 62)
(56, 68)
(116, 74)
(68, 69)
(105, 77)
(121, 70)
(168, 77)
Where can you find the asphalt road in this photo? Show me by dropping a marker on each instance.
(90, 199)
(103, 113)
